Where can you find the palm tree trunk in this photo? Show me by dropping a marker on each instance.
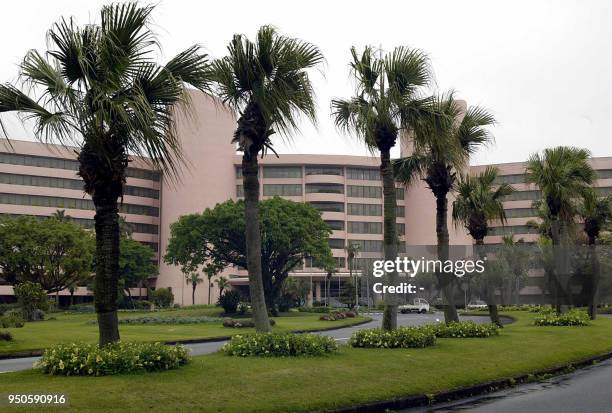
(107, 270)
(193, 294)
(250, 182)
(390, 240)
(595, 274)
(444, 280)
(489, 288)
(209, 282)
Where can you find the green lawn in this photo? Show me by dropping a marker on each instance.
(218, 383)
(75, 327)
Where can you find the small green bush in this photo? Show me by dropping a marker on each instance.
(12, 319)
(6, 307)
(403, 337)
(31, 297)
(142, 304)
(163, 297)
(80, 359)
(314, 309)
(229, 300)
(280, 345)
(464, 329)
(573, 317)
(6, 336)
(242, 323)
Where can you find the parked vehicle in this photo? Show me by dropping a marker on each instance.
(477, 305)
(419, 305)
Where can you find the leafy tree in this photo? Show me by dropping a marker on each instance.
(52, 252)
(479, 202)
(266, 82)
(440, 152)
(163, 297)
(193, 279)
(99, 88)
(294, 293)
(388, 101)
(136, 264)
(291, 232)
(31, 297)
(562, 174)
(596, 213)
(347, 294)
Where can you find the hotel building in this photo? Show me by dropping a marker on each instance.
(38, 179)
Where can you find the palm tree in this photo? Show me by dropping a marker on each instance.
(222, 284)
(211, 271)
(389, 100)
(351, 252)
(266, 82)
(479, 202)
(193, 279)
(439, 153)
(597, 214)
(99, 87)
(562, 174)
(61, 215)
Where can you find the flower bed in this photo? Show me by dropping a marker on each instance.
(80, 359)
(338, 315)
(402, 337)
(280, 345)
(573, 317)
(242, 323)
(464, 329)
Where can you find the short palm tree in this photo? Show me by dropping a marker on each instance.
(596, 212)
(99, 87)
(439, 154)
(222, 284)
(352, 250)
(389, 100)
(266, 82)
(61, 215)
(193, 279)
(478, 202)
(563, 174)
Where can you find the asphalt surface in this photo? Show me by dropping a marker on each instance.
(341, 335)
(588, 390)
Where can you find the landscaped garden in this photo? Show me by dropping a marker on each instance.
(202, 322)
(222, 383)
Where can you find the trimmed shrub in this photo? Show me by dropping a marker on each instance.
(244, 323)
(338, 315)
(142, 304)
(6, 336)
(229, 300)
(464, 329)
(573, 317)
(165, 320)
(314, 309)
(163, 297)
(280, 345)
(7, 307)
(403, 337)
(12, 319)
(31, 297)
(80, 359)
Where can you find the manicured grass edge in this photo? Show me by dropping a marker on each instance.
(421, 400)
(39, 352)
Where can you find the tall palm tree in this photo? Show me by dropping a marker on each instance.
(193, 279)
(99, 87)
(352, 250)
(389, 100)
(596, 213)
(562, 174)
(478, 202)
(266, 82)
(439, 154)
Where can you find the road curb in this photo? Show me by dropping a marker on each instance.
(421, 400)
(37, 353)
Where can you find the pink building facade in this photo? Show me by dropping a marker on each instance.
(37, 179)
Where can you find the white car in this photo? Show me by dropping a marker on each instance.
(419, 305)
(477, 305)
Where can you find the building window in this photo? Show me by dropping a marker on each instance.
(358, 191)
(336, 243)
(521, 212)
(282, 172)
(510, 179)
(604, 173)
(401, 229)
(328, 206)
(69, 164)
(523, 196)
(400, 211)
(512, 230)
(324, 170)
(366, 245)
(399, 193)
(72, 203)
(282, 189)
(324, 188)
(238, 172)
(363, 174)
(335, 225)
(239, 191)
(356, 227)
(373, 210)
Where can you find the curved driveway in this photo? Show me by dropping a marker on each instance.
(341, 335)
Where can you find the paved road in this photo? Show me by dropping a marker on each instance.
(585, 390)
(342, 335)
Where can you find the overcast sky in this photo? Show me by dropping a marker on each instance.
(544, 68)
